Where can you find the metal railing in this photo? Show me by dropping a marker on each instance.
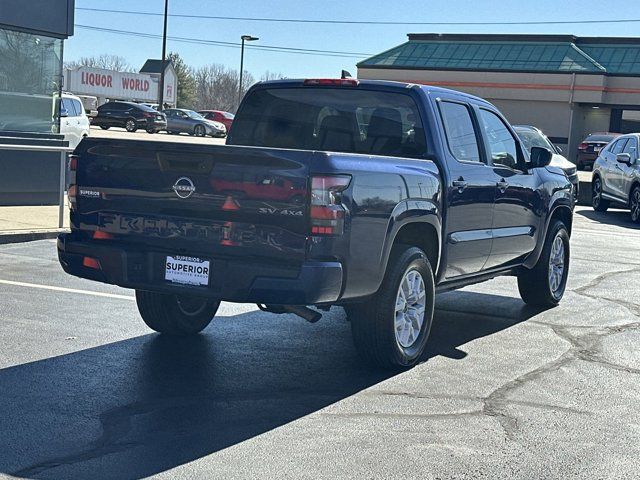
(63, 168)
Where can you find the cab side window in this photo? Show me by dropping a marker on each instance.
(502, 145)
(461, 134)
(67, 105)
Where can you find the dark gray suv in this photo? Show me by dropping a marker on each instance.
(616, 176)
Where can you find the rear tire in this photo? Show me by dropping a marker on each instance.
(130, 125)
(391, 329)
(598, 203)
(175, 314)
(634, 204)
(544, 284)
(104, 127)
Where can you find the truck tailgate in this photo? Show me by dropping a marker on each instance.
(195, 199)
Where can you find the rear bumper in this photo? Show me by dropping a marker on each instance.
(587, 158)
(153, 123)
(232, 280)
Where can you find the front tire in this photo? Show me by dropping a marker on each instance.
(634, 204)
(598, 203)
(104, 127)
(391, 329)
(544, 284)
(175, 314)
(199, 131)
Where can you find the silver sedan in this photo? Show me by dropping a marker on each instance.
(180, 120)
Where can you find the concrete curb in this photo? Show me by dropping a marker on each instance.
(30, 236)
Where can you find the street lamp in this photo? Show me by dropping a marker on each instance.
(244, 38)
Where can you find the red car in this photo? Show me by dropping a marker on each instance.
(218, 116)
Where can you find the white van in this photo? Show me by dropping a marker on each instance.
(74, 123)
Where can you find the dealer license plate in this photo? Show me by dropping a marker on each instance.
(187, 270)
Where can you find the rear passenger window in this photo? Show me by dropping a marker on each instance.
(631, 148)
(461, 135)
(78, 106)
(502, 145)
(619, 146)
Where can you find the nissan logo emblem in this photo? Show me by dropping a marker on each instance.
(184, 187)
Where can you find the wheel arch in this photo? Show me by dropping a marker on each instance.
(634, 184)
(420, 227)
(560, 210)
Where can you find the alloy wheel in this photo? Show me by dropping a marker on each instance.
(635, 205)
(557, 266)
(597, 192)
(410, 308)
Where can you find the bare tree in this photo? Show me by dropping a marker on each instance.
(106, 61)
(266, 76)
(217, 87)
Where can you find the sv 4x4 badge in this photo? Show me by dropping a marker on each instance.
(280, 211)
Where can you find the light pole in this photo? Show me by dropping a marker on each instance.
(164, 54)
(244, 38)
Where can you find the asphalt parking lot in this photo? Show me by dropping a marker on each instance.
(140, 134)
(86, 391)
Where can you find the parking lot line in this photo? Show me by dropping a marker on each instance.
(66, 290)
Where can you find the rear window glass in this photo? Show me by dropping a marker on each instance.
(600, 138)
(332, 119)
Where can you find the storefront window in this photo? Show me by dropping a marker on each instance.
(30, 81)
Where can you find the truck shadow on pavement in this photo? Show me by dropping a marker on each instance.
(148, 404)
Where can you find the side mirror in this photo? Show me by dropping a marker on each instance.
(540, 157)
(64, 113)
(624, 158)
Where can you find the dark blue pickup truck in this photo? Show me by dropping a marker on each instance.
(365, 194)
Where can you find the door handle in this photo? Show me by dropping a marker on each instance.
(460, 184)
(502, 185)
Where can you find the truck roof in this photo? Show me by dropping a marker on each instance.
(384, 83)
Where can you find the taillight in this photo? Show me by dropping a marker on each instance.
(72, 191)
(91, 262)
(98, 235)
(583, 146)
(73, 162)
(336, 82)
(327, 212)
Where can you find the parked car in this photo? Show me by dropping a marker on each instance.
(591, 146)
(180, 120)
(533, 137)
(385, 220)
(74, 123)
(616, 176)
(130, 116)
(226, 118)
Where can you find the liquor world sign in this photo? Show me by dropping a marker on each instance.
(116, 85)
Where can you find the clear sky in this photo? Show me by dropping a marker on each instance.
(366, 39)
